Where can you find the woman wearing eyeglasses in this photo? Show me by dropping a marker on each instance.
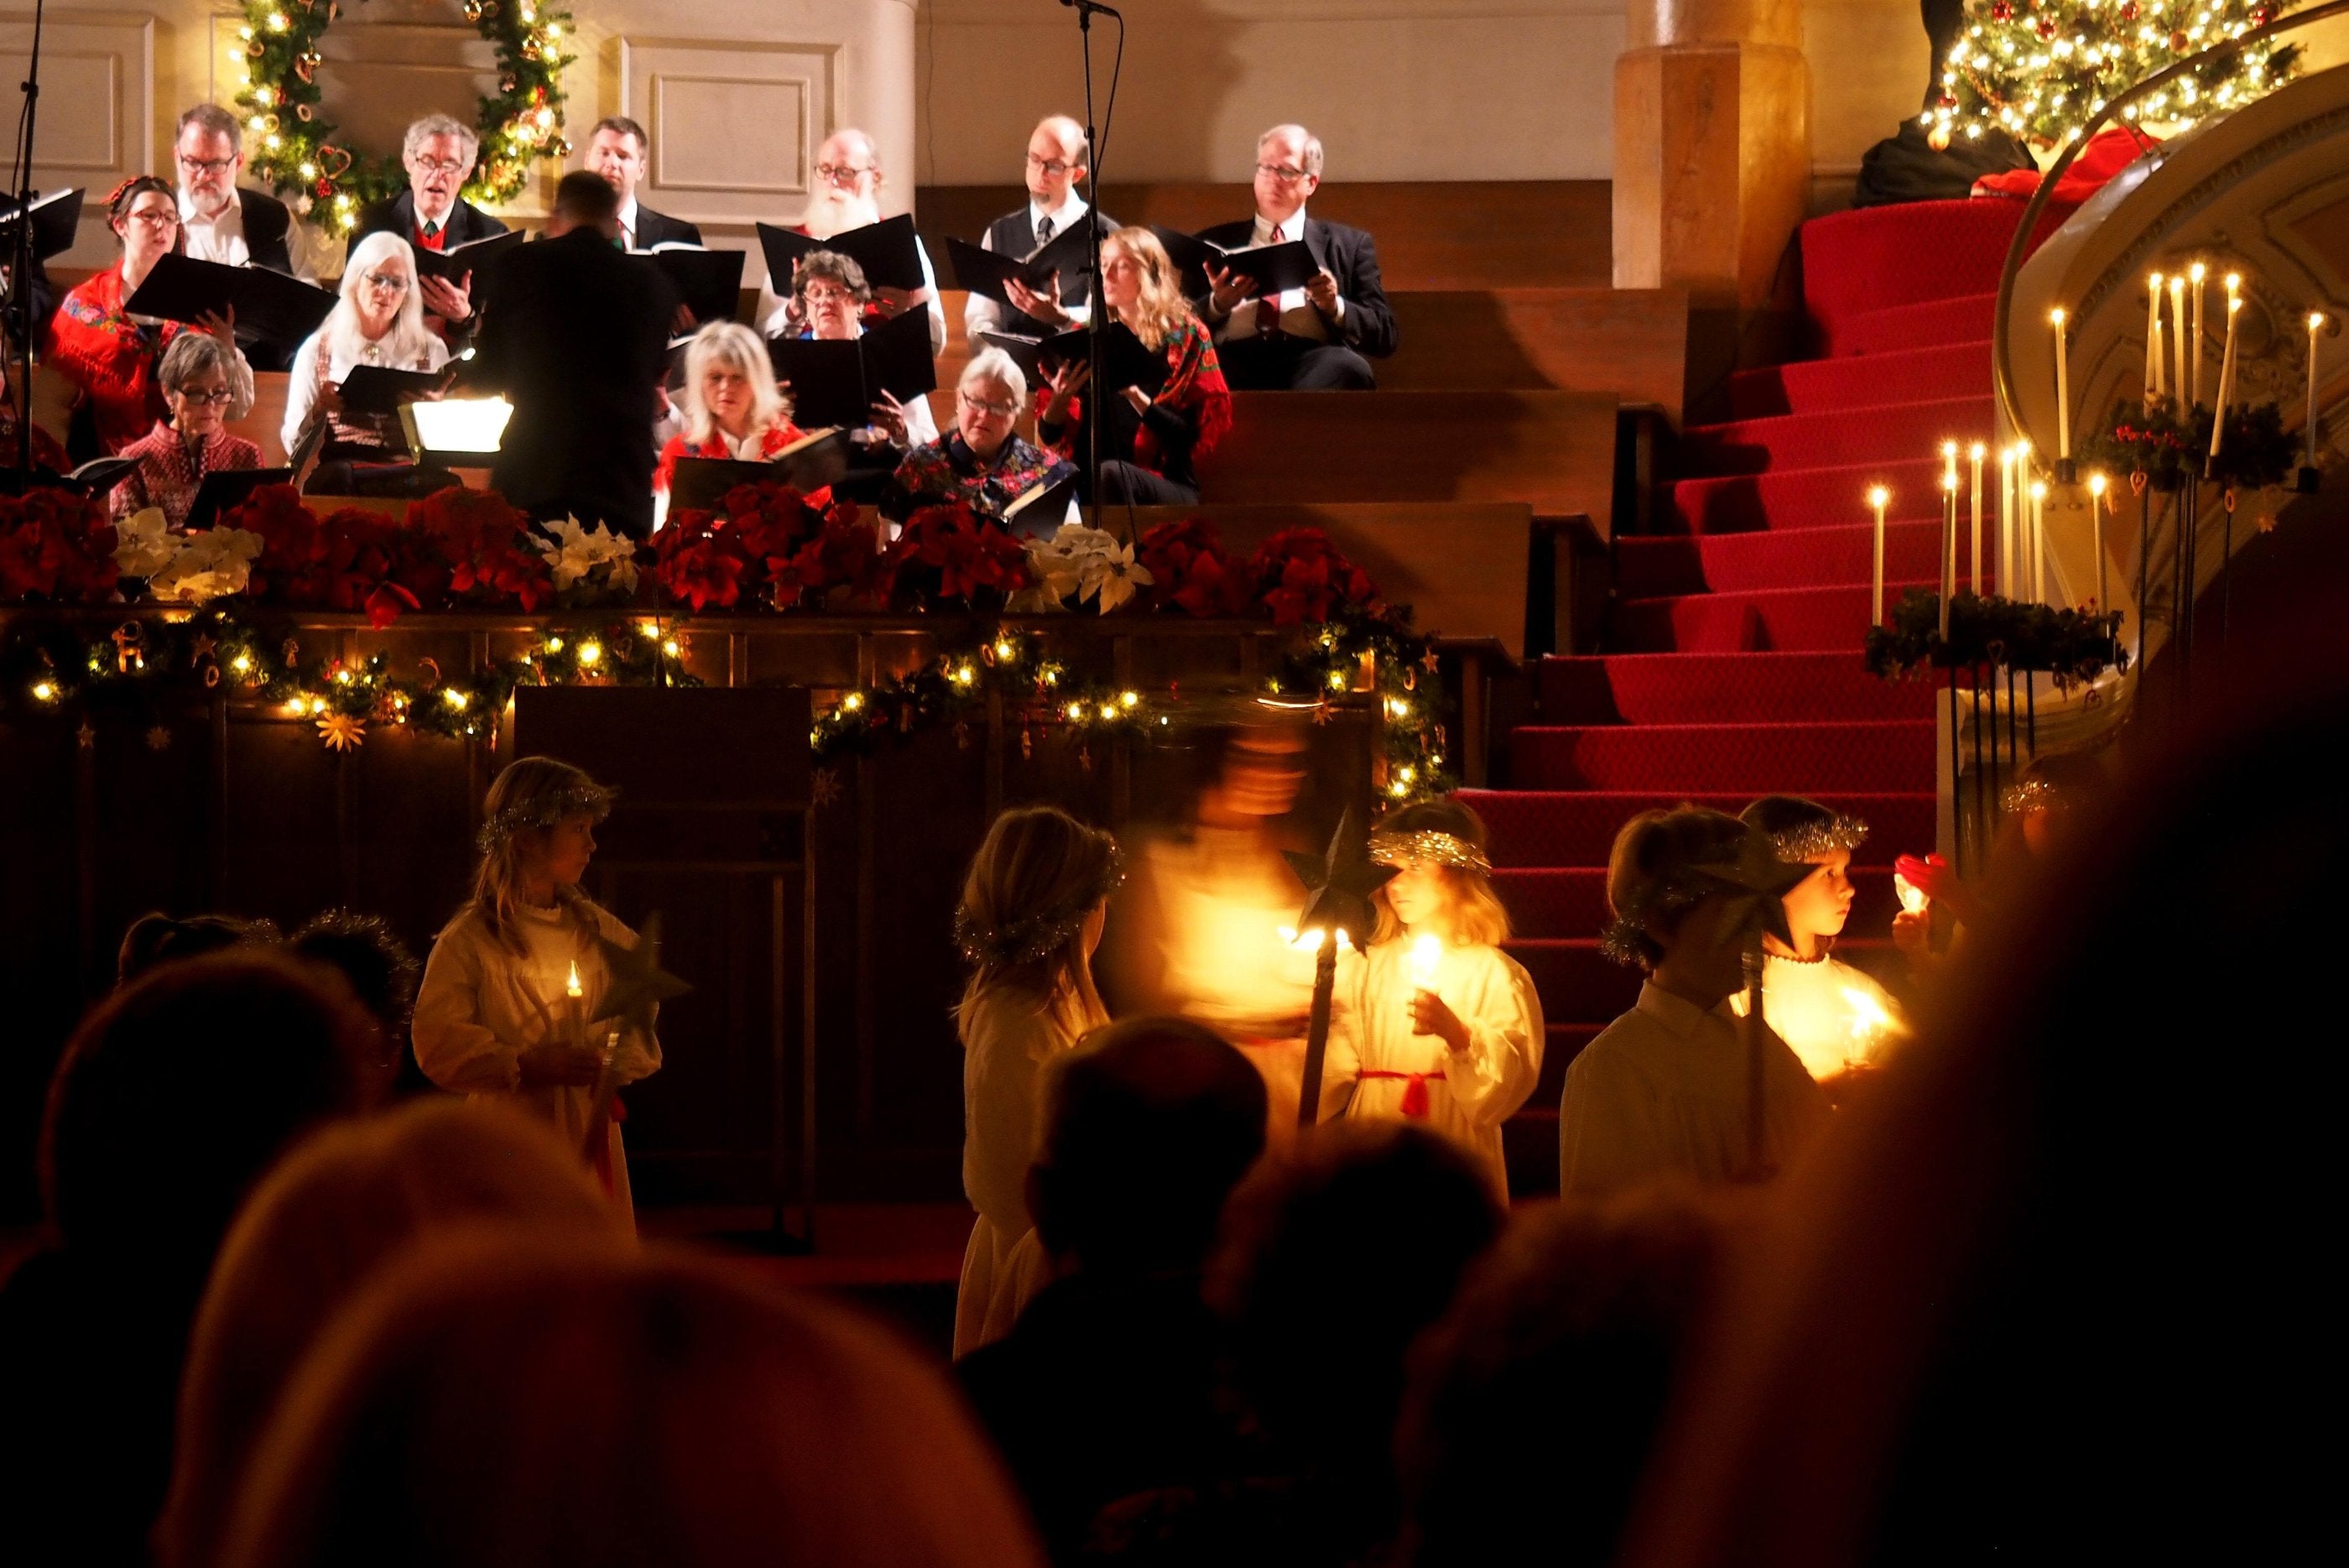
(112, 356)
(829, 295)
(199, 379)
(379, 321)
(980, 462)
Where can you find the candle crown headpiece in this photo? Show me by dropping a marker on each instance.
(544, 810)
(1428, 843)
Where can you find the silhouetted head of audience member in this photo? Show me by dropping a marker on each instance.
(1331, 1263)
(155, 939)
(179, 1090)
(324, 1222)
(1145, 1129)
(496, 1401)
(1535, 1402)
(373, 962)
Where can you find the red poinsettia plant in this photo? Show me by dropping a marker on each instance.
(765, 545)
(56, 545)
(351, 559)
(485, 543)
(1190, 570)
(952, 553)
(1297, 575)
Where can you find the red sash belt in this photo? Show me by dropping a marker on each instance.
(1414, 1094)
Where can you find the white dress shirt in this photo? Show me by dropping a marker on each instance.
(980, 313)
(628, 224)
(222, 239)
(1298, 316)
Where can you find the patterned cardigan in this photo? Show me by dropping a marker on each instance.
(941, 472)
(167, 476)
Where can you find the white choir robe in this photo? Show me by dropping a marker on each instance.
(1468, 1094)
(483, 1004)
(1661, 1092)
(1007, 1038)
(1833, 1016)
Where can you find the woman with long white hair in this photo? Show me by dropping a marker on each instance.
(379, 320)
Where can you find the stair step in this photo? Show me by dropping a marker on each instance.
(1657, 566)
(1532, 828)
(1567, 901)
(1871, 257)
(1903, 328)
(1722, 688)
(1833, 497)
(1778, 620)
(1862, 381)
(1885, 432)
(1576, 982)
(1888, 755)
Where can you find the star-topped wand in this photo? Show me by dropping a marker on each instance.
(1338, 885)
(1756, 883)
(638, 986)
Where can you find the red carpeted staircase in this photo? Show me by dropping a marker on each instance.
(1732, 661)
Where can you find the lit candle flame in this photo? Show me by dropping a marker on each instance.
(1913, 899)
(1869, 1022)
(1426, 953)
(572, 987)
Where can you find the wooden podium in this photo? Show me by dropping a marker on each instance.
(711, 828)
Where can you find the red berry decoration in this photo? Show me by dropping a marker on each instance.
(2178, 42)
(2000, 11)
(2128, 10)
(2261, 16)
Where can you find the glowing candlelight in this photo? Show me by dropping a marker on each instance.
(2177, 338)
(2226, 381)
(572, 988)
(2198, 272)
(2315, 321)
(1976, 452)
(1878, 497)
(1949, 545)
(2036, 568)
(2096, 486)
(1913, 898)
(1949, 461)
(575, 1010)
(2153, 339)
(2062, 389)
(2006, 482)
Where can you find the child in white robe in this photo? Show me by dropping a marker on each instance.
(1837, 1019)
(496, 1014)
(1033, 906)
(1666, 1090)
(1444, 1028)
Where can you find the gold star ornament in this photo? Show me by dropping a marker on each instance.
(639, 984)
(342, 731)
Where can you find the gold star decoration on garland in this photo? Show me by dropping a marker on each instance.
(342, 731)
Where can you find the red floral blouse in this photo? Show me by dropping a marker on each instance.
(167, 475)
(111, 357)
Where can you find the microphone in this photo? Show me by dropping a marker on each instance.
(1087, 6)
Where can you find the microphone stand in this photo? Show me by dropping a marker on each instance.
(1085, 9)
(20, 273)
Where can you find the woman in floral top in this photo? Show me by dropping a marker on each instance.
(113, 356)
(197, 380)
(732, 407)
(979, 462)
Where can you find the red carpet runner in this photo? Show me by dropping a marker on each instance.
(1733, 659)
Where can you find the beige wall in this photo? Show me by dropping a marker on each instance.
(1397, 89)
(1869, 70)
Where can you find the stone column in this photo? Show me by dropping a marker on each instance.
(1713, 153)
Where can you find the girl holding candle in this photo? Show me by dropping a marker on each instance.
(1033, 907)
(1445, 1028)
(1833, 1016)
(498, 1014)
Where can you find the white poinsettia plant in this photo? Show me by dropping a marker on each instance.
(184, 568)
(589, 563)
(1080, 564)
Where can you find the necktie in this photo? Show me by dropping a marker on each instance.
(1267, 309)
(1043, 230)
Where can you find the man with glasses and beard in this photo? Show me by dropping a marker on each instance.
(1317, 338)
(848, 181)
(222, 222)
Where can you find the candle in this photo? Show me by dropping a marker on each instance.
(574, 1009)
(2063, 389)
(1913, 899)
(1878, 497)
(2226, 381)
(1426, 953)
(2005, 517)
(2198, 272)
(2096, 485)
(2153, 339)
(1949, 461)
(1976, 452)
(2178, 340)
(2036, 568)
(1949, 547)
(2315, 321)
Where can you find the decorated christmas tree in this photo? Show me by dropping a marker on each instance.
(2039, 68)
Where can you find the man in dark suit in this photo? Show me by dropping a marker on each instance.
(222, 222)
(619, 150)
(1057, 160)
(438, 154)
(575, 334)
(1317, 338)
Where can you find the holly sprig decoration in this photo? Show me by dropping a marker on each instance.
(2073, 645)
(2169, 445)
(290, 142)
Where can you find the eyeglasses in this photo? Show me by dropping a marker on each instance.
(389, 282)
(820, 295)
(1052, 166)
(839, 173)
(206, 166)
(993, 410)
(216, 397)
(441, 165)
(156, 218)
(1282, 172)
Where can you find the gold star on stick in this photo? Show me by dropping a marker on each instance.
(1761, 882)
(639, 984)
(1339, 884)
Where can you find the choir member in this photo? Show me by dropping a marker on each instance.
(619, 150)
(199, 375)
(438, 154)
(1057, 165)
(379, 321)
(848, 182)
(732, 409)
(222, 222)
(1310, 339)
(579, 342)
(109, 354)
(1148, 446)
(829, 295)
(981, 462)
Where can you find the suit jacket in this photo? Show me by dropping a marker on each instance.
(660, 229)
(467, 222)
(575, 334)
(1352, 258)
(267, 225)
